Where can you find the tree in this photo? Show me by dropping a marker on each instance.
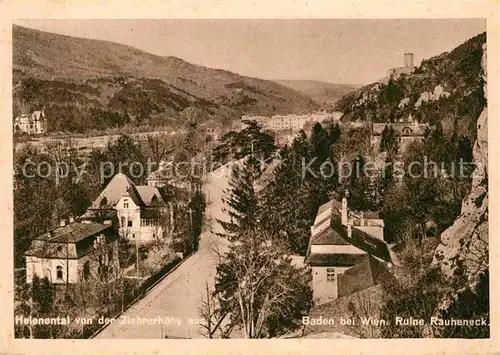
(242, 204)
(125, 153)
(159, 147)
(389, 141)
(212, 316)
(320, 147)
(43, 294)
(255, 283)
(334, 133)
(260, 289)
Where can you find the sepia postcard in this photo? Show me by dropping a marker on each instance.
(316, 178)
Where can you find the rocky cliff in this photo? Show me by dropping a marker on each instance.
(463, 251)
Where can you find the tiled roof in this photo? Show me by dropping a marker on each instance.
(327, 259)
(325, 206)
(147, 193)
(327, 236)
(366, 273)
(72, 232)
(362, 240)
(332, 204)
(113, 192)
(71, 241)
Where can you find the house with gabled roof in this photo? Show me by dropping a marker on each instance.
(407, 130)
(340, 240)
(31, 123)
(74, 252)
(141, 211)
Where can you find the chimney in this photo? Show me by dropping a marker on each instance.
(62, 222)
(71, 219)
(344, 211)
(349, 231)
(107, 222)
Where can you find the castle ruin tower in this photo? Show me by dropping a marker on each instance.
(409, 60)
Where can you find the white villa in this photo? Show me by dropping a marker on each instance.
(33, 123)
(142, 213)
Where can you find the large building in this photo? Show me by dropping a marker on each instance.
(340, 240)
(74, 252)
(33, 123)
(291, 122)
(407, 131)
(141, 212)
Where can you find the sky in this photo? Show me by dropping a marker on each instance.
(336, 51)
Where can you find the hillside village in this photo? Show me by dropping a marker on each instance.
(202, 213)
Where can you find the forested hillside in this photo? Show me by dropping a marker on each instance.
(448, 87)
(85, 83)
(324, 93)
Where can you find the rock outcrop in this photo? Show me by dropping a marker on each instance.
(464, 246)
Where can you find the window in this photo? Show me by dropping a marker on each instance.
(330, 274)
(59, 272)
(125, 203)
(86, 270)
(133, 236)
(123, 221)
(154, 236)
(129, 223)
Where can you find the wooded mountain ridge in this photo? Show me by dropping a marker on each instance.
(447, 87)
(86, 83)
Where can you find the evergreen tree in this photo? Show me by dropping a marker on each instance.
(43, 294)
(389, 140)
(320, 147)
(334, 133)
(241, 201)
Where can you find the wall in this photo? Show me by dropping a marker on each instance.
(336, 249)
(48, 268)
(132, 213)
(138, 231)
(323, 290)
(93, 259)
